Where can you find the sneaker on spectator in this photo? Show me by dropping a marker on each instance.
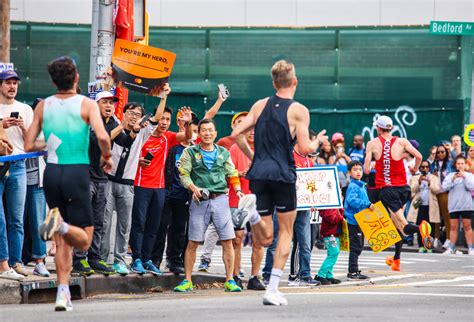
(446, 244)
(40, 270)
(357, 276)
(150, 267)
(204, 266)
(21, 269)
(176, 268)
(231, 286)
(184, 286)
(12, 275)
(121, 269)
(322, 280)
(82, 267)
(241, 273)
(293, 281)
(238, 281)
(137, 267)
(255, 284)
(334, 280)
(471, 251)
(309, 281)
(437, 243)
(101, 267)
(452, 251)
(63, 302)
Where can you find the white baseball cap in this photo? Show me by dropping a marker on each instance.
(106, 94)
(384, 122)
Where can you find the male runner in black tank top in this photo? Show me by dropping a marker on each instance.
(278, 121)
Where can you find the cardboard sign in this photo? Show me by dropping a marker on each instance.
(318, 188)
(377, 227)
(344, 237)
(141, 68)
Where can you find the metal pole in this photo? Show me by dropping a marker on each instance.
(94, 28)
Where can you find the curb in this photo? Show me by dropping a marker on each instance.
(44, 290)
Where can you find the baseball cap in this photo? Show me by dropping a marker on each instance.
(337, 137)
(384, 122)
(106, 94)
(237, 115)
(9, 75)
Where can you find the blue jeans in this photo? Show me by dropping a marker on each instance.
(147, 209)
(267, 269)
(301, 252)
(35, 214)
(14, 186)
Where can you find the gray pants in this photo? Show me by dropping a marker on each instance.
(210, 242)
(120, 199)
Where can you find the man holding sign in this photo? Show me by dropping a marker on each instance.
(390, 178)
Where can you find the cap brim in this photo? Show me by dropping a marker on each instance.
(114, 98)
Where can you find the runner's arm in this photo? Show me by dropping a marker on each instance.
(31, 143)
(305, 144)
(368, 158)
(411, 149)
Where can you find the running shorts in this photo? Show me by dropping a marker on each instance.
(394, 198)
(67, 187)
(273, 195)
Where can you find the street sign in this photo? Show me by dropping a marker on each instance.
(452, 28)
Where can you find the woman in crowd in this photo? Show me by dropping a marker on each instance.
(441, 167)
(326, 154)
(470, 169)
(432, 154)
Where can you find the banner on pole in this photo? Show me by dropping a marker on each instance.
(141, 68)
(318, 188)
(377, 227)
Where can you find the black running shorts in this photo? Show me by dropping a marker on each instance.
(461, 214)
(394, 198)
(67, 187)
(273, 195)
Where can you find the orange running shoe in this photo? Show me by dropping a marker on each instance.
(389, 260)
(395, 265)
(425, 231)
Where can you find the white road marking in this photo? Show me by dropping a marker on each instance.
(384, 293)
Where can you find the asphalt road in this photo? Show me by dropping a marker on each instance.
(430, 287)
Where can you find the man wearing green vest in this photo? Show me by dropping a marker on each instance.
(204, 168)
(65, 119)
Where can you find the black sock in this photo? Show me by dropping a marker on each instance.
(398, 248)
(410, 229)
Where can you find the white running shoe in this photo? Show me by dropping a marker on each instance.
(449, 251)
(436, 243)
(248, 203)
(471, 251)
(63, 302)
(12, 275)
(271, 298)
(446, 244)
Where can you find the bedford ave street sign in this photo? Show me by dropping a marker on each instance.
(452, 28)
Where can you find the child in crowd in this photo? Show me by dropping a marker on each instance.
(331, 228)
(460, 184)
(356, 201)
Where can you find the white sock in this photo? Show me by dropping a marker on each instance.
(63, 288)
(274, 280)
(254, 218)
(63, 229)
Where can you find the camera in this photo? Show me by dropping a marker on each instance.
(205, 194)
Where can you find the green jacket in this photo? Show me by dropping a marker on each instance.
(193, 170)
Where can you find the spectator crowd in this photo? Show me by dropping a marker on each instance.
(170, 191)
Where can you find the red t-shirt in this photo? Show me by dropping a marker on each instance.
(226, 142)
(154, 175)
(388, 171)
(241, 163)
(301, 161)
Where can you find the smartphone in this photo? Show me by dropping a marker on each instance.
(14, 114)
(146, 118)
(223, 90)
(149, 156)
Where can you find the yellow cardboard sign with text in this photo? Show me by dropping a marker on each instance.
(377, 227)
(344, 238)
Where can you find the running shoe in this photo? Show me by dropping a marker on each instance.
(446, 244)
(422, 250)
(389, 260)
(184, 286)
(40, 270)
(357, 276)
(51, 224)
(101, 267)
(240, 217)
(425, 231)
(12, 275)
(309, 281)
(248, 203)
(204, 266)
(176, 268)
(150, 267)
(436, 243)
(322, 280)
(334, 280)
(255, 284)
(63, 302)
(82, 267)
(137, 267)
(21, 269)
(293, 281)
(231, 286)
(121, 269)
(395, 265)
(274, 298)
(452, 251)
(471, 251)
(238, 281)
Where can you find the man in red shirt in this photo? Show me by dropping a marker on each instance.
(391, 179)
(228, 141)
(149, 189)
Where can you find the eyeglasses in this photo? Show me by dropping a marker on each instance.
(134, 114)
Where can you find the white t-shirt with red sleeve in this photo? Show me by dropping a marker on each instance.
(153, 176)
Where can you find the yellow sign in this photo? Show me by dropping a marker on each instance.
(467, 134)
(141, 68)
(344, 238)
(377, 227)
